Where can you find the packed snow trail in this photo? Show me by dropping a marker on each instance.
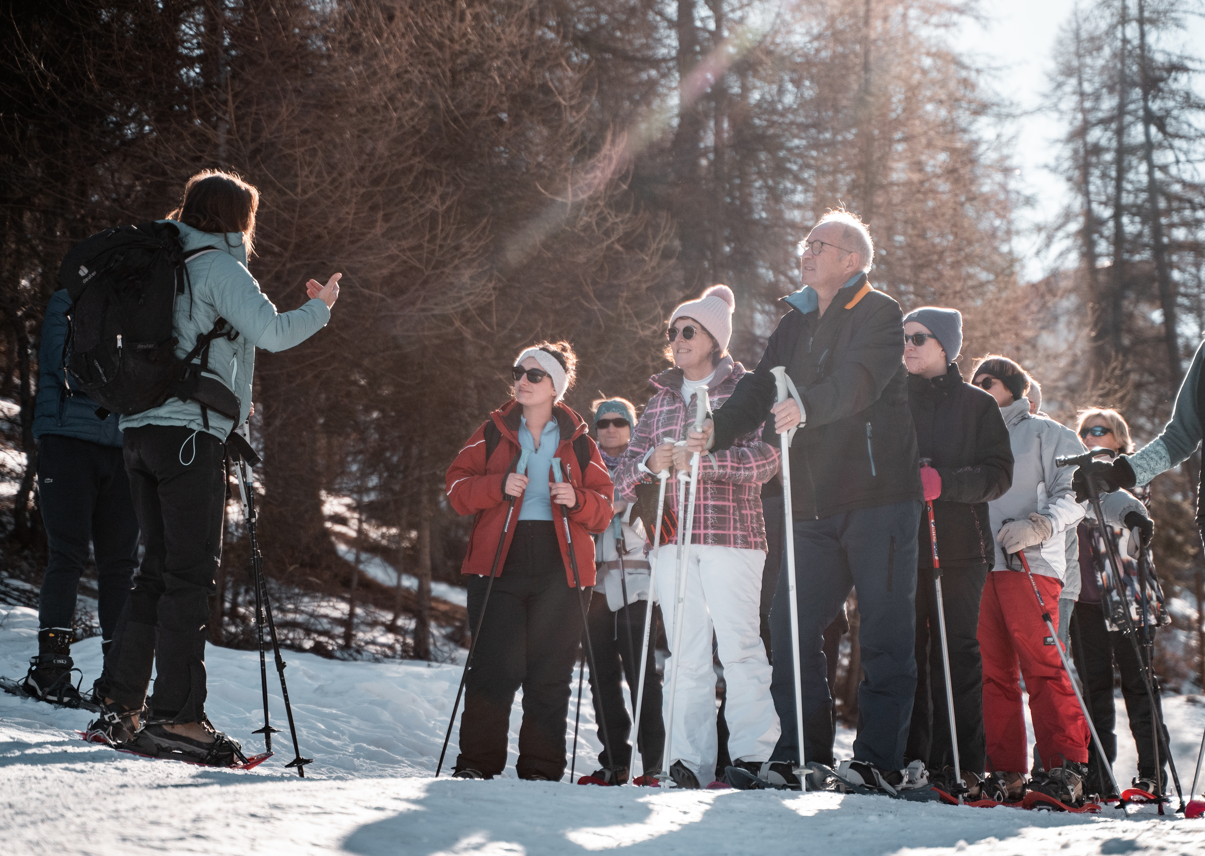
(374, 730)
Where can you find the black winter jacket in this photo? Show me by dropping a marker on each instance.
(960, 429)
(858, 449)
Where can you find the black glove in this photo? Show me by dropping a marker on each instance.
(1146, 528)
(1107, 475)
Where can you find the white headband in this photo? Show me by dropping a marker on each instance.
(549, 364)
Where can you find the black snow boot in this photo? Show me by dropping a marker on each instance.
(49, 676)
(156, 741)
(683, 777)
(1064, 783)
(116, 724)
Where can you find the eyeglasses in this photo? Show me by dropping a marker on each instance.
(986, 382)
(688, 332)
(611, 423)
(533, 375)
(1095, 431)
(817, 247)
(919, 340)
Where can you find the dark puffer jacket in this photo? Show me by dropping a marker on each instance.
(960, 429)
(858, 449)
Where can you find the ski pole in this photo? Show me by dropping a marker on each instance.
(577, 580)
(620, 549)
(1144, 565)
(581, 670)
(242, 446)
(248, 515)
(1196, 771)
(781, 382)
(1058, 646)
(959, 785)
(648, 615)
(520, 467)
(1145, 665)
(685, 533)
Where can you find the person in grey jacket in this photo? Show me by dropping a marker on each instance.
(84, 496)
(174, 454)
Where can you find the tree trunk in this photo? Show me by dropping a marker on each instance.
(23, 528)
(422, 620)
(400, 565)
(1167, 297)
(349, 630)
(1088, 229)
(867, 182)
(1111, 329)
(689, 200)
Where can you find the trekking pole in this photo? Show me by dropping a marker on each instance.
(1196, 770)
(256, 570)
(620, 550)
(1145, 665)
(581, 670)
(648, 615)
(520, 467)
(247, 490)
(1058, 646)
(685, 532)
(783, 384)
(959, 786)
(577, 580)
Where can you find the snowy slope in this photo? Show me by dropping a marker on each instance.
(375, 731)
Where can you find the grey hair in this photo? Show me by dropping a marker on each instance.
(856, 236)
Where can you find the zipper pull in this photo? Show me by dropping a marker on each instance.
(119, 343)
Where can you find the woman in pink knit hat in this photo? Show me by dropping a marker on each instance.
(727, 553)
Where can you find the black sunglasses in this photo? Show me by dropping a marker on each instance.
(533, 375)
(918, 339)
(688, 333)
(986, 382)
(1095, 431)
(612, 423)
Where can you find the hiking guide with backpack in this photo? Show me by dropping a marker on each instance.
(164, 326)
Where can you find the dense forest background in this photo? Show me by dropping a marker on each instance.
(490, 172)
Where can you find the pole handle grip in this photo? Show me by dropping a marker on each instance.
(557, 476)
(785, 388)
(524, 456)
(702, 407)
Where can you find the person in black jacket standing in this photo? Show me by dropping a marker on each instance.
(855, 493)
(964, 441)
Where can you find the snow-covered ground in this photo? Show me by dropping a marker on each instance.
(374, 730)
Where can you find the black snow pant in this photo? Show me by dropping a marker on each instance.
(85, 497)
(529, 639)
(609, 635)
(874, 549)
(1096, 649)
(177, 480)
(929, 736)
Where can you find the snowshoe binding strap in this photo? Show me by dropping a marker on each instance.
(116, 725)
(49, 680)
(157, 742)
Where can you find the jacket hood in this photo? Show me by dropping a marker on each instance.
(807, 300)
(672, 377)
(508, 416)
(231, 243)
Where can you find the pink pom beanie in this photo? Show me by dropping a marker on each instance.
(713, 310)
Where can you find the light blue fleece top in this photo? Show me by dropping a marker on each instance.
(222, 286)
(537, 499)
(1180, 436)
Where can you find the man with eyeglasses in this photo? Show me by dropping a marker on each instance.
(856, 499)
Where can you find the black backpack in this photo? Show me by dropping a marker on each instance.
(120, 346)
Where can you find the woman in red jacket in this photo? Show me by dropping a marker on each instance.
(530, 632)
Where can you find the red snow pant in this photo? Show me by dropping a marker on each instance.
(1011, 634)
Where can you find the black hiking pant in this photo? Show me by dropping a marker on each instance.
(609, 635)
(929, 735)
(529, 639)
(84, 496)
(1096, 649)
(177, 479)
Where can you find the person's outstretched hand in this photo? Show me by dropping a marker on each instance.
(328, 293)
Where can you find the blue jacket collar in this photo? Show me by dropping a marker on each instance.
(807, 300)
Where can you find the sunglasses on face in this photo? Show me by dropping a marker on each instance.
(985, 382)
(918, 339)
(612, 423)
(533, 375)
(688, 332)
(1095, 431)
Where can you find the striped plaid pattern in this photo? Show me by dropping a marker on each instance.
(728, 510)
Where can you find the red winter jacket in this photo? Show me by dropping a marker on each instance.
(475, 487)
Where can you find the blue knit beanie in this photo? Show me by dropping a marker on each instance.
(618, 406)
(945, 324)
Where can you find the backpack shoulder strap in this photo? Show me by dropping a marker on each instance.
(581, 449)
(493, 437)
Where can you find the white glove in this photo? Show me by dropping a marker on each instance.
(1019, 534)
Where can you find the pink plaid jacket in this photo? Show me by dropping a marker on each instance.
(728, 510)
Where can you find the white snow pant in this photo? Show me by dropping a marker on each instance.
(723, 592)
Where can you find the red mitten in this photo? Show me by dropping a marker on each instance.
(931, 482)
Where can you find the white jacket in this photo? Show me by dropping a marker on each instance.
(634, 569)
